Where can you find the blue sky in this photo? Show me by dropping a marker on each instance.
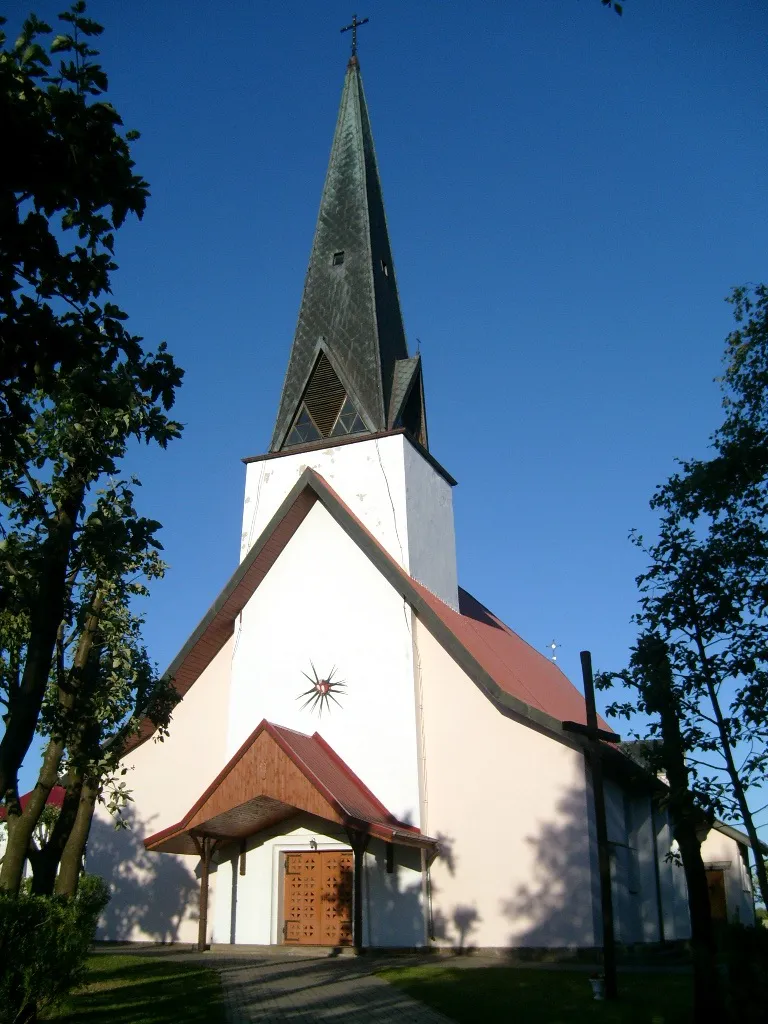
(570, 196)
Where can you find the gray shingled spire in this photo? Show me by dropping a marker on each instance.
(349, 371)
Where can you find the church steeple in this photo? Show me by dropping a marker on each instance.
(349, 372)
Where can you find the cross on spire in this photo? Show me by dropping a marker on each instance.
(354, 27)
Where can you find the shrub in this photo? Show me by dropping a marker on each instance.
(44, 943)
(747, 958)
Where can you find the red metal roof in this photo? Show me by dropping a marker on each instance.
(349, 797)
(55, 799)
(493, 654)
(518, 668)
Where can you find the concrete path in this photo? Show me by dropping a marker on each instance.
(274, 985)
(296, 989)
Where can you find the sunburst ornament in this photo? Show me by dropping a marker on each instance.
(322, 691)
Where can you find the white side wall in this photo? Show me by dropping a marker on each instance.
(720, 851)
(399, 496)
(155, 895)
(323, 603)
(510, 808)
(249, 906)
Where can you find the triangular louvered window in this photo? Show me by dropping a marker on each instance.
(324, 396)
(325, 410)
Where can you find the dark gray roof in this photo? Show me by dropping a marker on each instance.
(350, 306)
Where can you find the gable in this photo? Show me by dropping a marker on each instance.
(513, 675)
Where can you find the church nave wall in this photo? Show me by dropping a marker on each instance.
(323, 603)
(509, 806)
(155, 895)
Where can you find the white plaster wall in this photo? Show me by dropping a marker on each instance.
(249, 906)
(510, 808)
(324, 603)
(391, 488)
(431, 536)
(720, 851)
(155, 895)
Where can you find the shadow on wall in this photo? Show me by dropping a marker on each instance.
(394, 903)
(559, 905)
(151, 892)
(457, 927)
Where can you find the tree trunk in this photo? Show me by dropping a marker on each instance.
(45, 861)
(46, 611)
(21, 824)
(659, 696)
(72, 856)
(738, 789)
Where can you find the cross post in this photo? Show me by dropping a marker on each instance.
(354, 27)
(595, 760)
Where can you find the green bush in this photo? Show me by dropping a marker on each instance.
(44, 942)
(746, 952)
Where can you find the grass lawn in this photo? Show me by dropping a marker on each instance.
(519, 995)
(129, 989)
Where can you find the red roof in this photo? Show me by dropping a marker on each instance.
(328, 774)
(55, 799)
(518, 668)
(507, 668)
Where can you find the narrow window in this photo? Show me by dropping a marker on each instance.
(338, 258)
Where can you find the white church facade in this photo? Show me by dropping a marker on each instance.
(363, 753)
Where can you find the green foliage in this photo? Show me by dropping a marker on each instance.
(44, 942)
(705, 591)
(76, 389)
(746, 955)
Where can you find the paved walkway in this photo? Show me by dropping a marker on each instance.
(269, 985)
(296, 989)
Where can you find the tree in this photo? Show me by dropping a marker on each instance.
(706, 588)
(660, 696)
(75, 389)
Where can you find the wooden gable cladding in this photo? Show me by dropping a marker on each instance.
(264, 770)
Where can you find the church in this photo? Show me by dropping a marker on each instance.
(363, 753)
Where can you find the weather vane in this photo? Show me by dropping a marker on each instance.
(354, 27)
(553, 647)
(321, 692)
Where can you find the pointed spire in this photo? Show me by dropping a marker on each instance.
(349, 371)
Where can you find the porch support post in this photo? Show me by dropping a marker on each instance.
(205, 847)
(359, 843)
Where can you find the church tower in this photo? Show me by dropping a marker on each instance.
(352, 405)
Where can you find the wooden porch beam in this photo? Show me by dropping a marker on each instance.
(359, 843)
(205, 846)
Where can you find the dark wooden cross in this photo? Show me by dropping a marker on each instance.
(354, 27)
(594, 737)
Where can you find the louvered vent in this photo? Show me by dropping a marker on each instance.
(324, 396)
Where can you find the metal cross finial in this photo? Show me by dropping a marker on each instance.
(354, 26)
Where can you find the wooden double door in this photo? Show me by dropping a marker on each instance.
(317, 898)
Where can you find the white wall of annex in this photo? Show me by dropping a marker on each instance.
(155, 895)
(720, 851)
(510, 809)
(249, 907)
(395, 492)
(324, 603)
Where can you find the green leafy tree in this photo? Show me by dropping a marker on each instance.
(705, 592)
(75, 386)
(657, 693)
(76, 389)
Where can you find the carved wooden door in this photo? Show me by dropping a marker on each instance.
(318, 898)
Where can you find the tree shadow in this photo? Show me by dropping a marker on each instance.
(151, 893)
(559, 906)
